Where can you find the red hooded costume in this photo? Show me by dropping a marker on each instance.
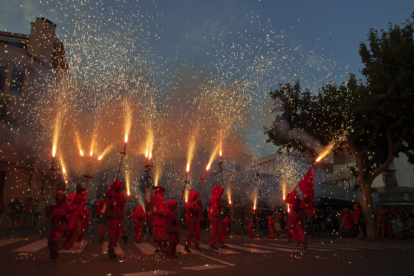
(346, 215)
(271, 224)
(251, 228)
(214, 213)
(295, 216)
(158, 223)
(76, 222)
(59, 213)
(115, 212)
(225, 226)
(193, 216)
(172, 228)
(138, 217)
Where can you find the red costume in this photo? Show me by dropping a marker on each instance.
(271, 224)
(138, 217)
(76, 221)
(214, 213)
(114, 213)
(225, 225)
(59, 213)
(295, 217)
(193, 216)
(172, 228)
(158, 223)
(251, 228)
(346, 215)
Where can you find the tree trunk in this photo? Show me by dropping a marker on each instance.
(368, 207)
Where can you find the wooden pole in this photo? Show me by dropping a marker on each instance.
(185, 184)
(120, 163)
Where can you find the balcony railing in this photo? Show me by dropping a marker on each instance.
(344, 183)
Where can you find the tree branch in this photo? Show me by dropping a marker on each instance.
(371, 142)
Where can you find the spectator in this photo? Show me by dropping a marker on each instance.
(358, 221)
(29, 212)
(379, 214)
(394, 226)
(1, 210)
(322, 219)
(410, 226)
(309, 225)
(16, 213)
(340, 224)
(36, 212)
(329, 224)
(347, 220)
(400, 227)
(316, 225)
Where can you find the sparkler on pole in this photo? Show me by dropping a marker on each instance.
(123, 153)
(89, 167)
(148, 169)
(221, 170)
(203, 178)
(53, 169)
(185, 184)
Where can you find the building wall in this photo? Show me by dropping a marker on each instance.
(24, 182)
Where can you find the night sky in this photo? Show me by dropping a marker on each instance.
(316, 41)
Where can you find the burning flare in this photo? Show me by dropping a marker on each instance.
(188, 167)
(127, 180)
(81, 152)
(54, 151)
(128, 117)
(106, 150)
(327, 150)
(186, 195)
(213, 155)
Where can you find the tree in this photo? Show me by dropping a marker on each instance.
(372, 119)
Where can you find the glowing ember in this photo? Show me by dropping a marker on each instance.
(128, 192)
(90, 153)
(188, 167)
(220, 153)
(229, 201)
(126, 139)
(208, 167)
(254, 207)
(81, 152)
(146, 154)
(150, 155)
(54, 151)
(63, 170)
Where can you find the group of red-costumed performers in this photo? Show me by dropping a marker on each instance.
(69, 218)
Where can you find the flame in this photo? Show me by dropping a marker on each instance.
(221, 153)
(63, 170)
(254, 207)
(149, 144)
(229, 201)
(288, 209)
(78, 142)
(186, 195)
(146, 154)
(106, 150)
(128, 117)
(90, 153)
(54, 151)
(127, 180)
(149, 155)
(327, 150)
(56, 131)
(284, 191)
(188, 167)
(208, 167)
(81, 152)
(213, 155)
(228, 192)
(192, 143)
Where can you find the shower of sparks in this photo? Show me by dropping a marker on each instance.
(114, 88)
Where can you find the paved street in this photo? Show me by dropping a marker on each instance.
(27, 254)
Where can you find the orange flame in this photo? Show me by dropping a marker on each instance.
(106, 150)
(54, 151)
(188, 167)
(126, 138)
(208, 167)
(150, 155)
(146, 154)
(213, 155)
(220, 153)
(327, 150)
(81, 152)
(90, 153)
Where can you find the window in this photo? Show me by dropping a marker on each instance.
(3, 76)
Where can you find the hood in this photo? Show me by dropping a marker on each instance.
(158, 189)
(140, 211)
(217, 193)
(192, 195)
(60, 192)
(291, 197)
(357, 207)
(251, 220)
(170, 204)
(226, 219)
(113, 187)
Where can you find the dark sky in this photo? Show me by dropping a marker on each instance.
(316, 41)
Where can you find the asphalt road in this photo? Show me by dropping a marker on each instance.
(26, 253)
